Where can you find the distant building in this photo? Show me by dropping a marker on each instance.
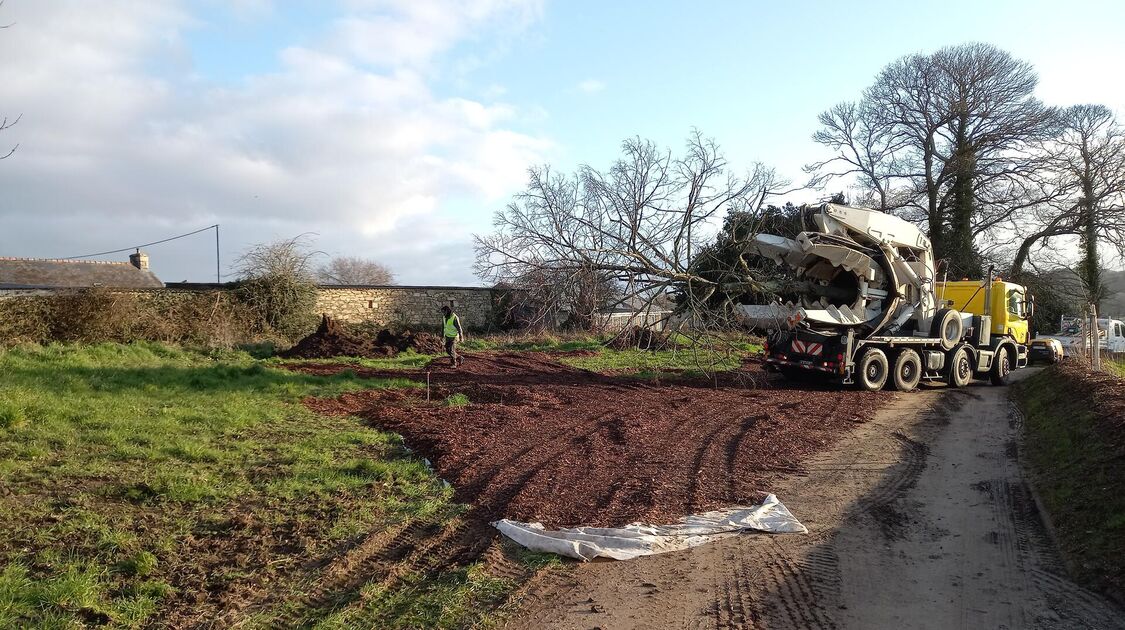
(47, 273)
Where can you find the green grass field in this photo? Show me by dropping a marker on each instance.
(690, 358)
(136, 479)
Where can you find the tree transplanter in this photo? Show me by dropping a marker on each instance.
(867, 308)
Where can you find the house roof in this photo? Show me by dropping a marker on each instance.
(49, 273)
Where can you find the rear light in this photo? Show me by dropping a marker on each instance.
(840, 357)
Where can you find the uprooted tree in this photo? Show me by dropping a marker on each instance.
(639, 224)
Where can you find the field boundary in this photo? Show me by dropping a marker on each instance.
(1066, 450)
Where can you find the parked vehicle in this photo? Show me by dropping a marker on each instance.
(1045, 350)
(867, 309)
(1073, 336)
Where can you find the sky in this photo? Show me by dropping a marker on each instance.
(394, 129)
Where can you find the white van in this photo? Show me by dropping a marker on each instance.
(1111, 335)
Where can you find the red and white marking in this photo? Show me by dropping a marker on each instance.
(808, 347)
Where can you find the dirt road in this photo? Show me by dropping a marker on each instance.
(918, 519)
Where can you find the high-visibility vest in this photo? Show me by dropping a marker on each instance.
(451, 326)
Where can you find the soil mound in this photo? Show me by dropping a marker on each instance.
(332, 339)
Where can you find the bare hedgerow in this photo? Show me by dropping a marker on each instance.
(278, 284)
(213, 320)
(24, 319)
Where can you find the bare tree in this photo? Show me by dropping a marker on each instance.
(354, 270)
(641, 222)
(1092, 158)
(866, 147)
(549, 298)
(277, 282)
(950, 137)
(5, 123)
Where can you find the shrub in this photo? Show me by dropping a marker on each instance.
(215, 319)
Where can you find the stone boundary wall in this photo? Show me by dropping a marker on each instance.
(414, 307)
(389, 306)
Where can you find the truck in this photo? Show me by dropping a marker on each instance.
(1073, 336)
(865, 307)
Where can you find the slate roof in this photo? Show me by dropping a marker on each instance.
(46, 273)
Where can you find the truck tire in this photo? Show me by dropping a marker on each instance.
(871, 370)
(960, 365)
(907, 371)
(1001, 367)
(947, 327)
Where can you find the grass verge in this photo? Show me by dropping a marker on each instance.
(1078, 471)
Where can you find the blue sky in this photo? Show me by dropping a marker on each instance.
(394, 128)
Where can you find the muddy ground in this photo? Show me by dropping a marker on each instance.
(919, 518)
(541, 441)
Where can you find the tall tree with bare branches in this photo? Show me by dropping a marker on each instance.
(1092, 157)
(949, 137)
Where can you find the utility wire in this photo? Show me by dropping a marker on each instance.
(118, 251)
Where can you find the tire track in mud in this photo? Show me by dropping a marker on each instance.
(898, 531)
(795, 583)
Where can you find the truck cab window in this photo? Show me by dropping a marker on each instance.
(1015, 303)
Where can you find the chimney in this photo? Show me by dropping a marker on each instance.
(139, 260)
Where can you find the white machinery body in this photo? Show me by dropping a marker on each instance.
(864, 269)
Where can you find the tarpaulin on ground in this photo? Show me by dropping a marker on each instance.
(640, 539)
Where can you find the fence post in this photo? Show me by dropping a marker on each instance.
(1095, 339)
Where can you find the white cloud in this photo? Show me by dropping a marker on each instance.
(591, 86)
(347, 140)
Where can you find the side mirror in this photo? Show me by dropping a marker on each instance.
(1029, 307)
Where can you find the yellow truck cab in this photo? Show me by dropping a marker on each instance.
(1010, 307)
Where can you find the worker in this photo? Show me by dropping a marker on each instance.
(451, 328)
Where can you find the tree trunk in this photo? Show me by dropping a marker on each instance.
(963, 259)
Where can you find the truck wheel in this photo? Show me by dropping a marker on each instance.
(872, 370)
(947, 327)
(907, 372)
(960, 368)
(1001, 368)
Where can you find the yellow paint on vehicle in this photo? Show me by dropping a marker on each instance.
(1008, 311)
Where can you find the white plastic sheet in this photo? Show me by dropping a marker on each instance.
(640, 539)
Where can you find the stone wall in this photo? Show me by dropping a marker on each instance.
(415, 307)
(392, 307)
